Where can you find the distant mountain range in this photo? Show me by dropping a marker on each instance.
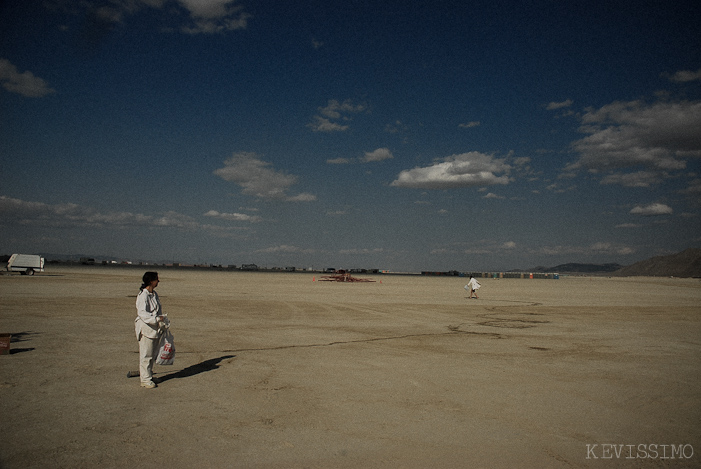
(684, 264)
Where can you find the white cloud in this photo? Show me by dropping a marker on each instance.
(509, 245)
(683, 76)
(24, 83)
(629, 225)
(522, 161)
(492, 195)
(595, 248)
(71, 216)
(557, 250)
(363, 251)
(469, 125)
(464, 170)
(658, 137)
(552, 106)
(335, 111)
(378, 155)
(204, 16)
(653, 209)
(74, 215)
(218, 25)
(211, 16)
(694, 187)
(208, 8)
(283, 248)
(234, 216)
(256, 177)
(302, 197)
(395, 127)
(322, 124)
(600, 247)
(637, 179)
(609, 248)
(175, 220)
(338, 161)
(477, 251)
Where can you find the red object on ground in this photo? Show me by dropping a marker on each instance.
(343, 276)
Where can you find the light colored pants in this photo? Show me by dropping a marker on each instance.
(148, 352)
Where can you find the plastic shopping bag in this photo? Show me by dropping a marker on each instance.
(166, 352)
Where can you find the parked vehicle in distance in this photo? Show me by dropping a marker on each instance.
(27, 264)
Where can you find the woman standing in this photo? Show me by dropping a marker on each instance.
(149, 318)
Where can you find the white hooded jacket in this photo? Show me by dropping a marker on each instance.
(148, 308)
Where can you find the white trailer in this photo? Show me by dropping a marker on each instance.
(27, 264)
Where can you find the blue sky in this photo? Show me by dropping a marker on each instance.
(398, 135)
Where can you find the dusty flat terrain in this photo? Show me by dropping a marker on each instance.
(277, 370)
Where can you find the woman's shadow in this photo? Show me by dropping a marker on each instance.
(21, 337)
(192, 370)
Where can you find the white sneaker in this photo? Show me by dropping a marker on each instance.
(149, 385)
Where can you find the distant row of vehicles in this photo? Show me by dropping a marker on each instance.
(26, 264)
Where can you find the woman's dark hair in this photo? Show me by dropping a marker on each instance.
(148, 278)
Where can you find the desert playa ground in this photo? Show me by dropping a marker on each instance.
(278, 370)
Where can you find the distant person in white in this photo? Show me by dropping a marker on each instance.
(148, 330)
(472, 286)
